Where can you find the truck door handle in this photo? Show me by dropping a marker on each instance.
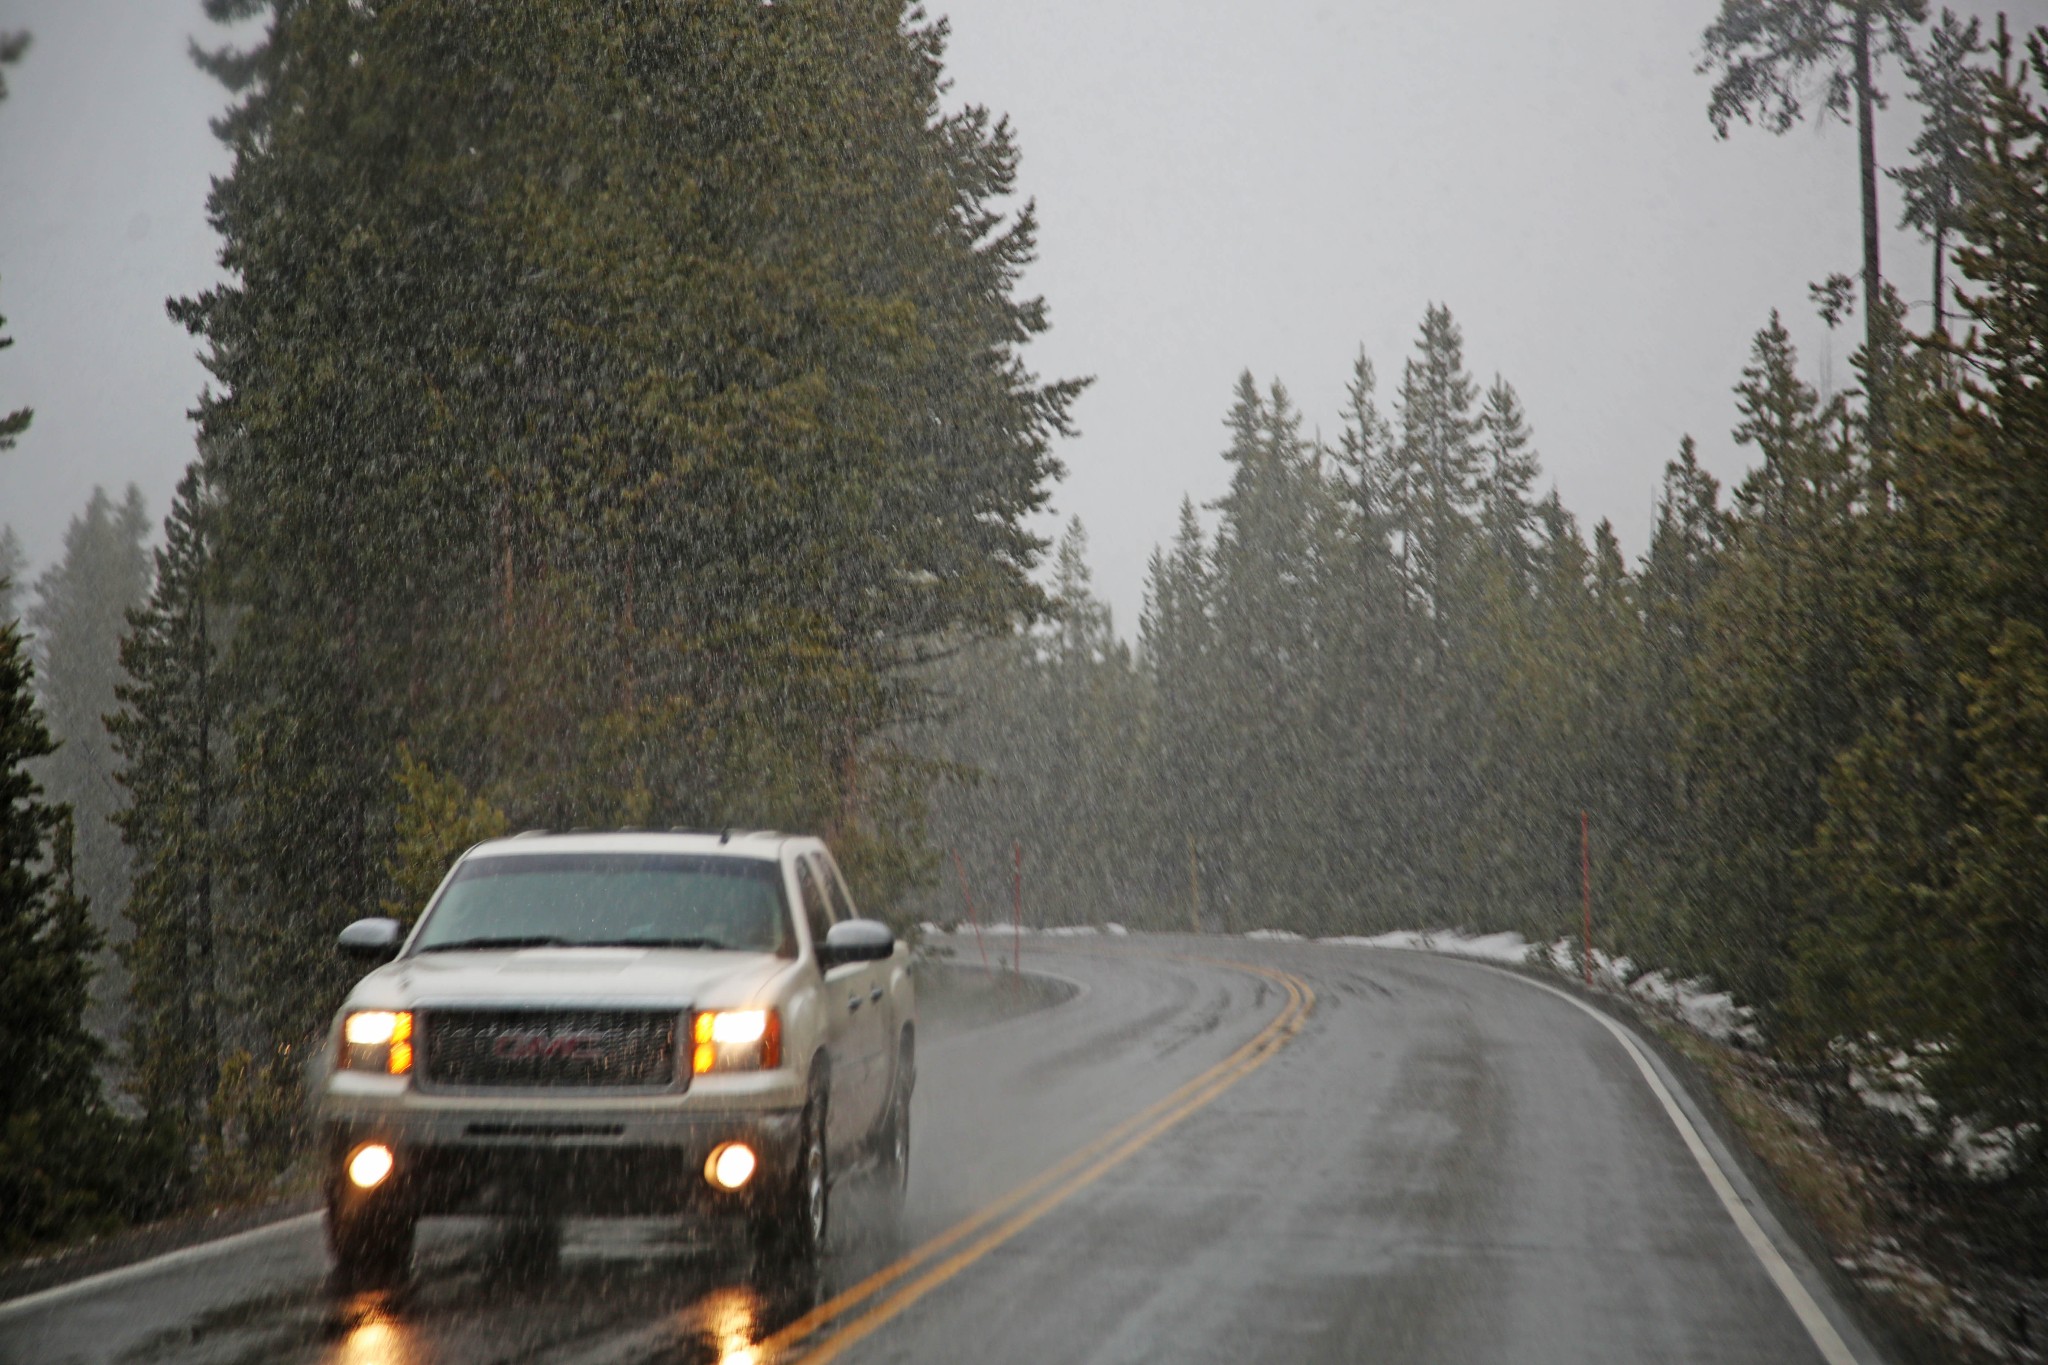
(875, 994)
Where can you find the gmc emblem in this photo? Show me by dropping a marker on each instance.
(538, 1044)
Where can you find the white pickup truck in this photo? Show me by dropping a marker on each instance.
(624, 1023)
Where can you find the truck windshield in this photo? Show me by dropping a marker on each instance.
(591, 900)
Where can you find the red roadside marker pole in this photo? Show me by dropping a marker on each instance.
(1586, 886)
(1017, 910)
(972, 917)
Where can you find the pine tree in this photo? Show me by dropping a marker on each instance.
(170, 734)
(1176, 644)
(1438, 460)
(79, 616)
(1772, 704)
(1266, 709)
(1373, 639)
(1174, 629)
(1510, 471)
(1770, 56)
(48, 1058)
(1930, 854)
(1687, 544)
(1948, 85)
(622, 437)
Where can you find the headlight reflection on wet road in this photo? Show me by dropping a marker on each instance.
(378, 1337)
(731, 1316)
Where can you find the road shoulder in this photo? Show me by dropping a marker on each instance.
(1878, 1328)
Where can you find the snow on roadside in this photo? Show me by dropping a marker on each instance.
(1509, 948)
(1695, 1001)
(997, 928)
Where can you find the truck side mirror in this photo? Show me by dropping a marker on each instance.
(855, 940)
(375, 940)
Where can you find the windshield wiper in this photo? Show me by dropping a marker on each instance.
(655, 943)
(522, 941)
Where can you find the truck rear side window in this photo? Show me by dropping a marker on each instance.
(815, 914)
(835, 890)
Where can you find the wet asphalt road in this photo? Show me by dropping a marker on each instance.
(1432, 1162)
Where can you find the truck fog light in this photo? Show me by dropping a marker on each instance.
(370, 1165)
(730, 1166)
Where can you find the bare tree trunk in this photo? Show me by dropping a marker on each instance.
(1873, 281)
(1940, 261)
(208, 990)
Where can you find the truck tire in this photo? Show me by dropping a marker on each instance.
(791, 1223)
(371, 1246)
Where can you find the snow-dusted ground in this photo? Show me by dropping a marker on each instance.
(1692, 1000)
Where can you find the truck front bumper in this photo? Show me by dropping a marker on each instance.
(591, 1159)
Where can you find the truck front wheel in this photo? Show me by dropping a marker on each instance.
(372, 1245)
(792, 1222)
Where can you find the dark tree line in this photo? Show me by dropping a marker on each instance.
(611, 408)
(1809, 725)
(618, 416)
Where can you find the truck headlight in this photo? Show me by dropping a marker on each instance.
(735, 1040)
(377, 1040)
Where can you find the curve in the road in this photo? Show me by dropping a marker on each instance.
(1826, 1339)
(1436, 1166)
(995, 1224)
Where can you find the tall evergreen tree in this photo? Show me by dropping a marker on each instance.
(619, 435)
(1933, 839)
(79, 616)
(1372, 691)
(49, 1088)
(1509, 473)
(1266, 576)
(1176, 643)
(1438, 458)
(1687, 545)
(1770, 56)
(1772, 708)
(171, 734)
(1948, 85)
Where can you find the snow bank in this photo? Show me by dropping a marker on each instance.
(1711, 1012)
(1508, 948)
(1892, 1081)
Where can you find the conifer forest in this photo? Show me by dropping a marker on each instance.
(621, 416)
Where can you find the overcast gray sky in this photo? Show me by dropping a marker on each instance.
(1222, 186)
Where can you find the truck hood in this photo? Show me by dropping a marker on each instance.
(611, 978)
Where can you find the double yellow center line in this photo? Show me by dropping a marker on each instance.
(967, 1241)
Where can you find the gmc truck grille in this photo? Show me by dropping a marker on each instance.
(535, 1048)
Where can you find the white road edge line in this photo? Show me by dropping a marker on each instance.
(200, 1251)
(1825, 1338)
